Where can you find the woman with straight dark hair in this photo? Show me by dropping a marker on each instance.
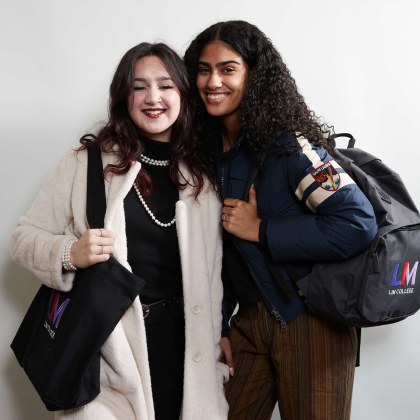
(162, 223)
(302, 208)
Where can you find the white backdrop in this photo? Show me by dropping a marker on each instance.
(357, 63)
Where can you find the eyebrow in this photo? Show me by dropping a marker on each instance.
(160, 79)
(220, 63)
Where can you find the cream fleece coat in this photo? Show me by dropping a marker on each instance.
(58, 214)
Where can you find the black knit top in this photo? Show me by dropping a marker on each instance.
(153, 251)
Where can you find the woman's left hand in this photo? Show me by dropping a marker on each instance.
(241, 218)
(94, 246)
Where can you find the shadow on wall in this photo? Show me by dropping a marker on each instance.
(20, 287)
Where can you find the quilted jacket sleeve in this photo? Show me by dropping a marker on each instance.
(339, 221)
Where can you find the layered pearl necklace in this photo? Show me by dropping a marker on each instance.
(153, 162)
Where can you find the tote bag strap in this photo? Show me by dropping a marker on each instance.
(95, 200)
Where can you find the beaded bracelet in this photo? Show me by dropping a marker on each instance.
(67, 265)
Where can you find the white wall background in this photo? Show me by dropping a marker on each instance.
(357, 63)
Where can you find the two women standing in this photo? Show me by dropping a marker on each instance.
(163, 222)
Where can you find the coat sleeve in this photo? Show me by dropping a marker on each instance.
(38, 241)
(339, 221)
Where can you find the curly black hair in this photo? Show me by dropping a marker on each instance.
(272, 104)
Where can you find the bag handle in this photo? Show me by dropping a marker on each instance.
(95, 200)
(351, 143)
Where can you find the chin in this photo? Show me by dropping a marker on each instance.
(215, 112)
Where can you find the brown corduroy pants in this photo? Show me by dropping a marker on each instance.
(306, 366)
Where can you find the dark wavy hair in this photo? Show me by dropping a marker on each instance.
(120, 130)
(272, 104)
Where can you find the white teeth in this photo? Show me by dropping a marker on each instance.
(154, 111)
(216, 95)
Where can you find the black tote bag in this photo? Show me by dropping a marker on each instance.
(58, 343)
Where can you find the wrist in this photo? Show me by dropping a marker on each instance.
(66, 257)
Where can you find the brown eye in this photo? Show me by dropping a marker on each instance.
(228, 70)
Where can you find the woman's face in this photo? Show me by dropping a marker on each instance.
(154, 102)
(221, 79)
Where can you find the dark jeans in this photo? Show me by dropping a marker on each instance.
(164, 323)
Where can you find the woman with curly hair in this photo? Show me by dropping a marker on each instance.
(162, 222)
(301, 208)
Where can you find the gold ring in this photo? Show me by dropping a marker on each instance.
(102, 233)
(102, 249)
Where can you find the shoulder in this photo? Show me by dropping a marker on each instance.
(297, 140)
(287, 139)
(77, 156)
(68, 164)
(207, 194)
(296, 151)
(74, 157)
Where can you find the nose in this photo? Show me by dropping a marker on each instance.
(153, 96)
(215, 80)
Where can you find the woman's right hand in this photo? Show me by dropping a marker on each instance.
(94, 246)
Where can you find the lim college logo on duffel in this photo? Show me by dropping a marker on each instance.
(56, 309)
(326, 177)
(406, 283)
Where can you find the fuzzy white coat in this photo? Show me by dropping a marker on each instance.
(58, 214)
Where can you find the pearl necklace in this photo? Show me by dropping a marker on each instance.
(149, 212)
(154, 162)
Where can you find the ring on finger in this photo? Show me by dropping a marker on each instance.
(102, 233)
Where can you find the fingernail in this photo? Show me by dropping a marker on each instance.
(231, 372)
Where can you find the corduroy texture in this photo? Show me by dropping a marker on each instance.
(307, 365)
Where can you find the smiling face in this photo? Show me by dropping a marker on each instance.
(155, 102)
(221, 80)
